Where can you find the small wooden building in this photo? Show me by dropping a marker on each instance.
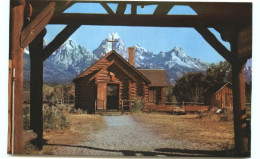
(219, 96)
(112, 80)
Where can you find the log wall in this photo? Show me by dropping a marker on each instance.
(221, 99)
(163, 95)
(85, 95)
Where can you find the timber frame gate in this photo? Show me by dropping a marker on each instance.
(28, 19)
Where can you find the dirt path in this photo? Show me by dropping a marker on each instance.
(124, 136)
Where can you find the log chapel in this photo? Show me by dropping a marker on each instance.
(113, 80)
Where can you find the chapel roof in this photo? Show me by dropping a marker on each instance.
(89, 70)
(156, 76)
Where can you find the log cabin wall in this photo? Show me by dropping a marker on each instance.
(130, 70)
(223, 98)
(154, 95)
(163, 95)
(109, 70)
(145, 92)
(124, 80)
(158, 96)
(132, 90)
(85, 95)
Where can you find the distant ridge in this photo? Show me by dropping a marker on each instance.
(71, 59)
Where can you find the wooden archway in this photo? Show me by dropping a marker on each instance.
(28, 19)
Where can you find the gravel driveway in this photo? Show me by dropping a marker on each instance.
(126, 137)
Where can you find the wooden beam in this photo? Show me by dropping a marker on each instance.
(9, 138)
(149, 20)
(61, 6)
(163, 9)
(214, 42)
(121, 8)
(36, 87)
(37, 24)
(16, 84)
(238, 85)
(133, 9)
(245, 43)
(59, 40)
(107, 8)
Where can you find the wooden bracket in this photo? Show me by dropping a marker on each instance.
(133, 9)
(163, 9)
(121, 8)
(59, 40)
(37, 24)
(107, 8)
(214, 42)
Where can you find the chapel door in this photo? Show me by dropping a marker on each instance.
(101, 96)
(112, 96)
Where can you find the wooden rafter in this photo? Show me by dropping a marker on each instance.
(63, 5)
(37, 24)
(163, 9)
(149, 20)
(121, 8)
(59, 40)
(107, 8)
(133, 9)
(214, 42)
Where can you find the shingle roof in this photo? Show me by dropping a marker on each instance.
(157, 77)
(217, 87)
(84, 73)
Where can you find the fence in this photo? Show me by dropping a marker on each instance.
(175, 107)
(127, 105)
(181, 103)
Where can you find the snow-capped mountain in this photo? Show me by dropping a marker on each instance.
(71, 59)
(64, 64)
(175, 62)
(106, 46)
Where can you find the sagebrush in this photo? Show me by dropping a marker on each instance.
(138, 104)
(53, 118)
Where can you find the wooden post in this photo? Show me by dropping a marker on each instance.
(16, 55)
(238, 81)
(163, 95)
(36, 84)
(9, 138)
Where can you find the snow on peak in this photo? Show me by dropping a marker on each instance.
(70, 44)
(178, 51)
(140, 48)
(114, 36)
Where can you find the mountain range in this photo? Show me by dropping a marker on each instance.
(71, 59)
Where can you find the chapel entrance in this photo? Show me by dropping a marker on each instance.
(112, 96)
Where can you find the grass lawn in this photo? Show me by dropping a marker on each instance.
(208, 130)
(80, 126)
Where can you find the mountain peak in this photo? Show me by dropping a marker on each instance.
(70, 44)
(179, 52)
(114, 36)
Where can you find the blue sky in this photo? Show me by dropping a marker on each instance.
(155, 39)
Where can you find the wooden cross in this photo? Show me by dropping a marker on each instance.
(112, 41)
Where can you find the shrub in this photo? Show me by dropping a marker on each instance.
(54, 118)
(26, 117)
(78, 111)
(138, 104)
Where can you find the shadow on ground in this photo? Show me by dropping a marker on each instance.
(158, 152)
